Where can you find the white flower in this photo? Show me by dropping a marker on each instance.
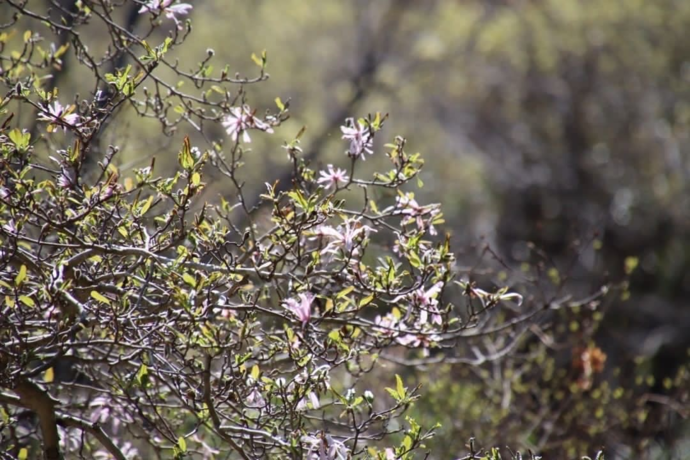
(427, 303)
(127, 449)
(166, 7)
(388, 325)
(360, 136)
(347, 236)
(312, 399)
(324, 447)
(255, 400)
(334, 177)
(241, 119)
(418, 341)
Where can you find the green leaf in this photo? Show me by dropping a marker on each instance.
(21, 140)
(345, 292)
(631, 264)
(257, 60)
(49, 375)
(255, 372)
(98, 296)
(142, 377)
(334, 335)
(407, 443)
(366, 301)
(299, 199)
(26, 300)
(393, 393)
(399, 386)
(189, 279)
(182, 444)
(21, 276)
(146, 206)
(185, 157)
(23, 454)
(280, 104)
(372, 205)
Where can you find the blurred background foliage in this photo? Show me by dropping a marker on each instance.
(554, 131)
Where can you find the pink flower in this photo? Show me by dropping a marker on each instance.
(416, 213)
(388, 325)
(418, 341)
(255, 400)
(166, 7)
(334, 177)
(67, 178)
(241, 119)
(57, 115)
(323, 447)
(302, 307)
(360, 136)
(426, 302)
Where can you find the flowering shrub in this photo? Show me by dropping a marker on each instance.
(139, 321)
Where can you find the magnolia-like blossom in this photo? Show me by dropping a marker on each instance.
(324, 447)
(334, 177)
(301, 308)
(418, 340)
(67, 178)
(207, 452)
(69, 439)
(11, 227)
(68, 174)
(166, 7)
(255, 399)
(127, 449)
(427, 303)
(491, 297)
(388, 325)
(103, 412)
(57, 114)
(347, 236)
(311, 398)
(360, 136)
(421, 215)
(241, 119)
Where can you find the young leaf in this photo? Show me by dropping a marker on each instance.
(345, 292)
(26, 300)
(257, 60)
(21, 276)
(255, 372)
(101, 298)
(399, 386)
